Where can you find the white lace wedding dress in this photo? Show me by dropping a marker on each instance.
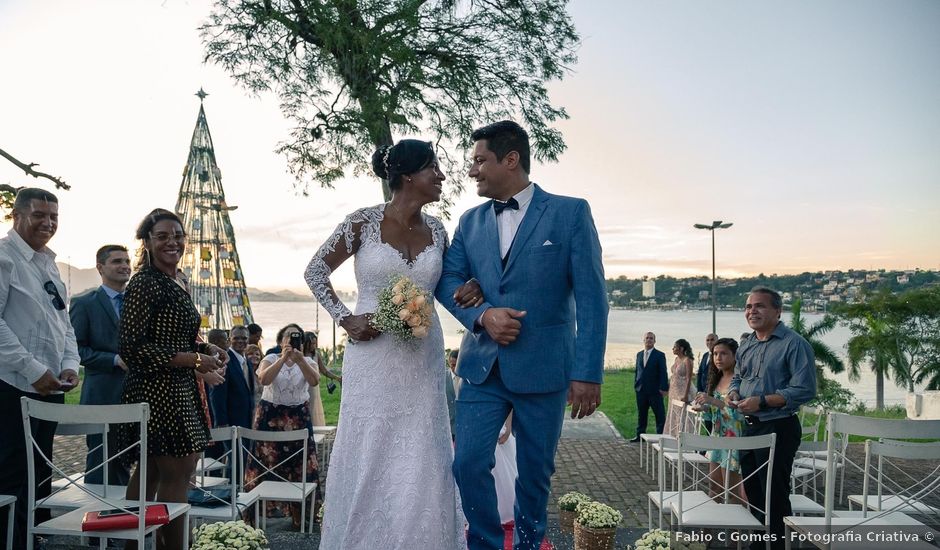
(389, 483)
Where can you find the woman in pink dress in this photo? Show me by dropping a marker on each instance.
(680, 381)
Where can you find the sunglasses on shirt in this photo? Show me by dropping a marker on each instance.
(53, 291)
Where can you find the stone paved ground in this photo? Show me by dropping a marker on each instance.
(592, 458)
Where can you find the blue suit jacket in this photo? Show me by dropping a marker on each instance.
(233, 401)
(554, 265)
(96, 333)
(653, 377)
(701, 382)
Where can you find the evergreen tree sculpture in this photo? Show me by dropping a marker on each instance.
(211, 260)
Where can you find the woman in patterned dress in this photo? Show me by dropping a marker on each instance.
(286, 377)
(159, 327)
(726, 421)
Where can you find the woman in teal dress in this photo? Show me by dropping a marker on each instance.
(726, 421)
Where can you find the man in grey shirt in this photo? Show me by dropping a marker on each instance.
(38, 354)
(775, 374)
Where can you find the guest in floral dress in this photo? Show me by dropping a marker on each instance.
(726, 421)
(284, 406)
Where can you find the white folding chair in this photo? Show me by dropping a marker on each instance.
(810, 420)
(284, 490)
(223, 509)
(71, 492)
(9, 502)
(70, 523)
(909, 498)
(822, 530)
(652, 440)
(803, 480)
(690, 422)
(661, 499)
(725, 515)
(324, 445)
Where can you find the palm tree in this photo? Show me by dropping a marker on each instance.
(825, 356)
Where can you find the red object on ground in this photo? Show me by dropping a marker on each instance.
(157, 514)
(509, 526)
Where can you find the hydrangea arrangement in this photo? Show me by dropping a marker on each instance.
(597, 515)
(656, 539)
(235, 535)
(404, 310)
(569, 501)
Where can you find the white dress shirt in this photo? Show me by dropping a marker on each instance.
(34, 335)
(509, 220)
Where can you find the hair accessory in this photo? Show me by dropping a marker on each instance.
(388, 152)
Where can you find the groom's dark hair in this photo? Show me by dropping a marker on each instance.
(503, 137)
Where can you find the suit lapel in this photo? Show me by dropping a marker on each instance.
(531, 219)
(241, 369)
(106, 304)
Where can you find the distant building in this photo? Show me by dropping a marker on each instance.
(903, 279)
(649, 289)
(703, 295)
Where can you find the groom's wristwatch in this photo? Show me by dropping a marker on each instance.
(763, 403)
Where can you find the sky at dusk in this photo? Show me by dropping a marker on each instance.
(814, 126)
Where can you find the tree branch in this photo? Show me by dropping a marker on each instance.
(28, 168)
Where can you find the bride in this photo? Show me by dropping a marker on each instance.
(390, 481)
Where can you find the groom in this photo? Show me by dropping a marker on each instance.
(536, 342)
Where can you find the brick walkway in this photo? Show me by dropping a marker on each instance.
(592, 458)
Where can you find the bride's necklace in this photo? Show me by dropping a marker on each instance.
(401, 223)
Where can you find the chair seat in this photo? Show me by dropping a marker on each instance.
(282, 490)
(70, 523)
(242, 501)
(686, 457)
(73, 497)
(802, 505)
(652, 437)
(813, 463)
(802, 472)
(729, 516)
(207, 464)
(688, 497)
(211, 481)
(895, 503)
(6, 500)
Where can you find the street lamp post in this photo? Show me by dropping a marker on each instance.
(712, 227)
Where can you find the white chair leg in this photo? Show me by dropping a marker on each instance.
(10, 513)
(185, 531)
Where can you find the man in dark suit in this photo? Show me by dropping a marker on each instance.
(651, 384)
(95, 317)
(233, 402)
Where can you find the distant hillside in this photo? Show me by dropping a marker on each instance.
(258, 295)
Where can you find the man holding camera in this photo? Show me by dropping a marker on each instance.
(38, 355)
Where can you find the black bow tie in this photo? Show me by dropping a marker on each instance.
(499, 206)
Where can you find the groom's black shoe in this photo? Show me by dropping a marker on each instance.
(635, 439)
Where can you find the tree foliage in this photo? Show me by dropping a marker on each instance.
(898, 334)
(825, 355)
(352, 75)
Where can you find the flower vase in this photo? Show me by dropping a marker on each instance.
(566, 520)
(589, 538)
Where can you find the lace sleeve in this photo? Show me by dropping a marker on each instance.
(438, 232)
(352, 231)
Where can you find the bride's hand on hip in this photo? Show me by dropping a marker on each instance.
(469, 294)
(359, 328)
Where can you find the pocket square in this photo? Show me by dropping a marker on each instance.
(547, 243)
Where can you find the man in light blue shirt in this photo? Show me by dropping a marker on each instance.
(774, 375)
(38, 355)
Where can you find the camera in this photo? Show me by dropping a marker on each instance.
(331, 387)
(297, 341)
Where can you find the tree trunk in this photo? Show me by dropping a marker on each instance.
(879, 390)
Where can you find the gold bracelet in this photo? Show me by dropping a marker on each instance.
(198, 361)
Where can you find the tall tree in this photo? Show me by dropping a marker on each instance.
(871, 340)
(825, 356)
(352, 74)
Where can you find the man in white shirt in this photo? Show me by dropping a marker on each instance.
(38, 354)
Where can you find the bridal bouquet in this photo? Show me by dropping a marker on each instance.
(227, 535)
(404, 310)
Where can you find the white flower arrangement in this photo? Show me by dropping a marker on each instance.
(235, 535)
(404, 310)
(656, 539)
(569, 501)
(597, 515)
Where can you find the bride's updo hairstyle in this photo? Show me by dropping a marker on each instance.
(405, 157)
